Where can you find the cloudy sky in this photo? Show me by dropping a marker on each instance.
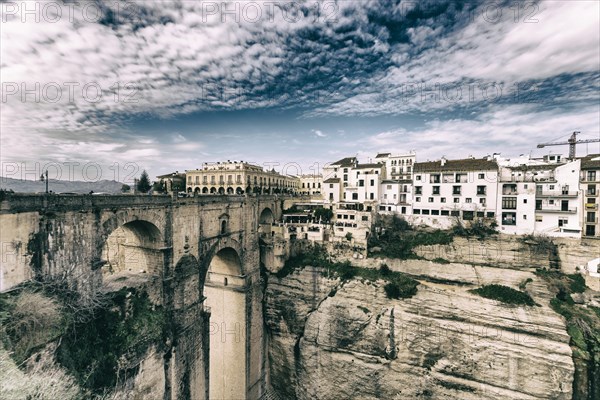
(167, 85)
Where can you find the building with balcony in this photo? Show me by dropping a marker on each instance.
(233, 177)
(539, 196)
(397, 167)
(446, 190)
(310, 184)
(589, 178)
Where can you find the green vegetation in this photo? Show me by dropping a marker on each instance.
(583, 326)
(480, 228)
(395, 238)
(29, 320)
(524, 283)
(504, 294)
(143, 185)
(101, 340)
(323, 214)
(440, 260)
(402, 286)
(109, 346)
(125, 188)
(349, 236)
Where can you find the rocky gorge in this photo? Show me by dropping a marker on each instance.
(332, 338)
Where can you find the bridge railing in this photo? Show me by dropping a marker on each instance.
(18, 202)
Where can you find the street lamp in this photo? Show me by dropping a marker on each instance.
(45, 179)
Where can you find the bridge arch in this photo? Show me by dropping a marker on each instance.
(266, 216)
(132, 251)
(225, 294)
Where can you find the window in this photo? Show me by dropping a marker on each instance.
(445, 212)
(436, 190)
(456, 200)
(443, 199)
(591, 176)
(430, 199)
(481, 190)
(385, 196)
(482, 201)
(562, 222)
(435, 212)
(345, 170)
(425, 212)
(591, 217)
(480, 214)
(365, 217)
(223, 227)
(524, 216)
(352, 217)
(418, 177)
(468, 215)
(551, 202)
(538, 218)
(389, 187)
(456, 190)
(345, 177)
(509, 203)
(455, 213)
(416, 211)
(481, 176)
(491, 214)
(354, 196)
(551, 187)
(468, 200)
(372, 182)
(524, 201)
(591, 191)
(331, 186)
(435, 178)
(361, 183)
(417, 199)
(372, 196)
(509, 218)
(418, 189)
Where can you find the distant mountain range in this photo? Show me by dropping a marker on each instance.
(56, 186)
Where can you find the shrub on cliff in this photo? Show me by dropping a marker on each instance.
(29, 320)
(505, 294)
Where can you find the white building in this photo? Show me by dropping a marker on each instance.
(310, 184)
(590, 192)
(447, 190)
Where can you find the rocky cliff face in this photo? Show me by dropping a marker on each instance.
(339, 340)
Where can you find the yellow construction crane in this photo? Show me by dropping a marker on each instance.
(571, 142)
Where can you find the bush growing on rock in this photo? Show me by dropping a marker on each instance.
(504, 294)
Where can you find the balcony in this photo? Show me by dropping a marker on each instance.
(558, 210)
(557, 193)
(591, 206)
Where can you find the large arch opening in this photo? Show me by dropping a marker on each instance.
(266, 216)
(132, 253)
(226, 297)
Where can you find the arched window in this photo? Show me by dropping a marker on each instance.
(223, 227)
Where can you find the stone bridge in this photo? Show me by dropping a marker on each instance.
(198, 257)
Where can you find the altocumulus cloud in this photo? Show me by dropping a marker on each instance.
(91, 67)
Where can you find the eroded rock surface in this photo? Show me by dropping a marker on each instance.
(332, 340)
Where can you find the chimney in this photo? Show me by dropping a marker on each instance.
(443, 161)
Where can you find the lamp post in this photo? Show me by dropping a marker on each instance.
(45, 179)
